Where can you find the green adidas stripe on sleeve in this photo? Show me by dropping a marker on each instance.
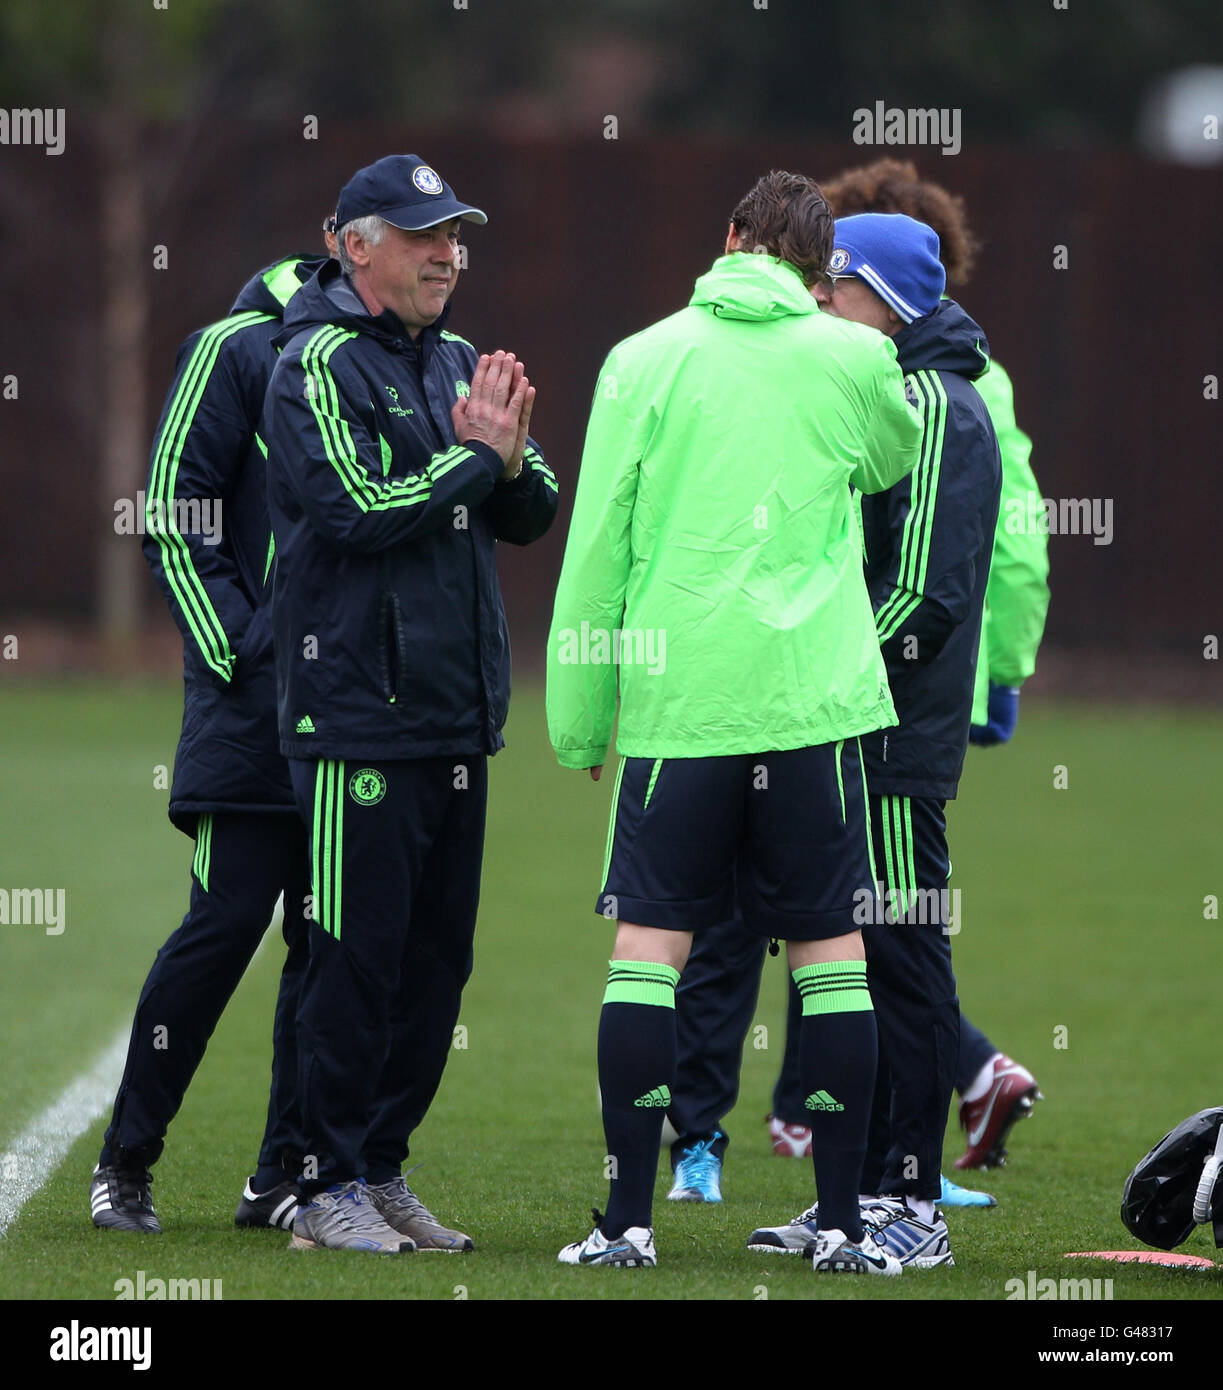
(919, 524)
(323, 395)
(535, 459)
(184, 580)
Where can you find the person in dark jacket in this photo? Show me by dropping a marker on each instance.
(927, 543)
(397, 457)
(208, 542)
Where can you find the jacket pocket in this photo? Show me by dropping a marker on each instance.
(392, 646)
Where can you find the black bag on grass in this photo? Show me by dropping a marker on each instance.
(1177, 1185)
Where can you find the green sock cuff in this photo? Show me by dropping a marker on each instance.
(641, 982)
(834, 987)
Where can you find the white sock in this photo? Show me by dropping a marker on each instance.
(924, 1211)
(983, 1080)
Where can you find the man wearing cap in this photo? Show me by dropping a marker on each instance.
(397, 457)
(927, 541)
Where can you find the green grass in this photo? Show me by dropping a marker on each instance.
(1082, 911)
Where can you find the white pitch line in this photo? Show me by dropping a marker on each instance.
(40, 1148)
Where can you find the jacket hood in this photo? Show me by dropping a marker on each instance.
(328, 297)
(269, 290)
(945, 341)
(745, 286)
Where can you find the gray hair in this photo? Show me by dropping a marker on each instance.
(368, 228)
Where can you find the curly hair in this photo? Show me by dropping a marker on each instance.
(894, 185)
(787, 216)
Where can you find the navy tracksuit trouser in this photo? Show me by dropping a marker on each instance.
(396, 853)
(242, 864)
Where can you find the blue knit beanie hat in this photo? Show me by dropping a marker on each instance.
(895, 255)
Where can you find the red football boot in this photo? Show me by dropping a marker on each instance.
(988, 1120)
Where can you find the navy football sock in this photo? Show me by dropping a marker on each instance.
(636, 1069)
(837, 1057)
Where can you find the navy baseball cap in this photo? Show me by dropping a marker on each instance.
(404, 191)
(897, 256)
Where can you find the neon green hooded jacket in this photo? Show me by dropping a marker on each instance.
(1017, 600)
(713, 571)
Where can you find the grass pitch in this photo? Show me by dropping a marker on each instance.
(1084, 952)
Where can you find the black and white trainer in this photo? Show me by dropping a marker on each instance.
(121, 1199)
(273, 1210)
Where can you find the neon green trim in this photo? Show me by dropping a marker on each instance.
(327, 844)
(641, 982)
(535, 459)
(649, 791)
(282, 282)
(866, 805)
(919, 524)
(611, 824)
(909, 857)
(181, 575)
(549, 480)
(316, 842)
(833, 987)
(889, 866)
(202, 860)
(840, 777)
(896, 816)
(454, 338)
(337, 850)
(338, 442)
(936, 461)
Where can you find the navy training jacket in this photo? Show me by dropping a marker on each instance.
(928, 543)
(207, 540)
(390, 631)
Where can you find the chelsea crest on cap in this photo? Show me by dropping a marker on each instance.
(404, 191)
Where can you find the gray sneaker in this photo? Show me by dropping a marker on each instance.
(790, 1239)
(403, 1211)
(345, 1218)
